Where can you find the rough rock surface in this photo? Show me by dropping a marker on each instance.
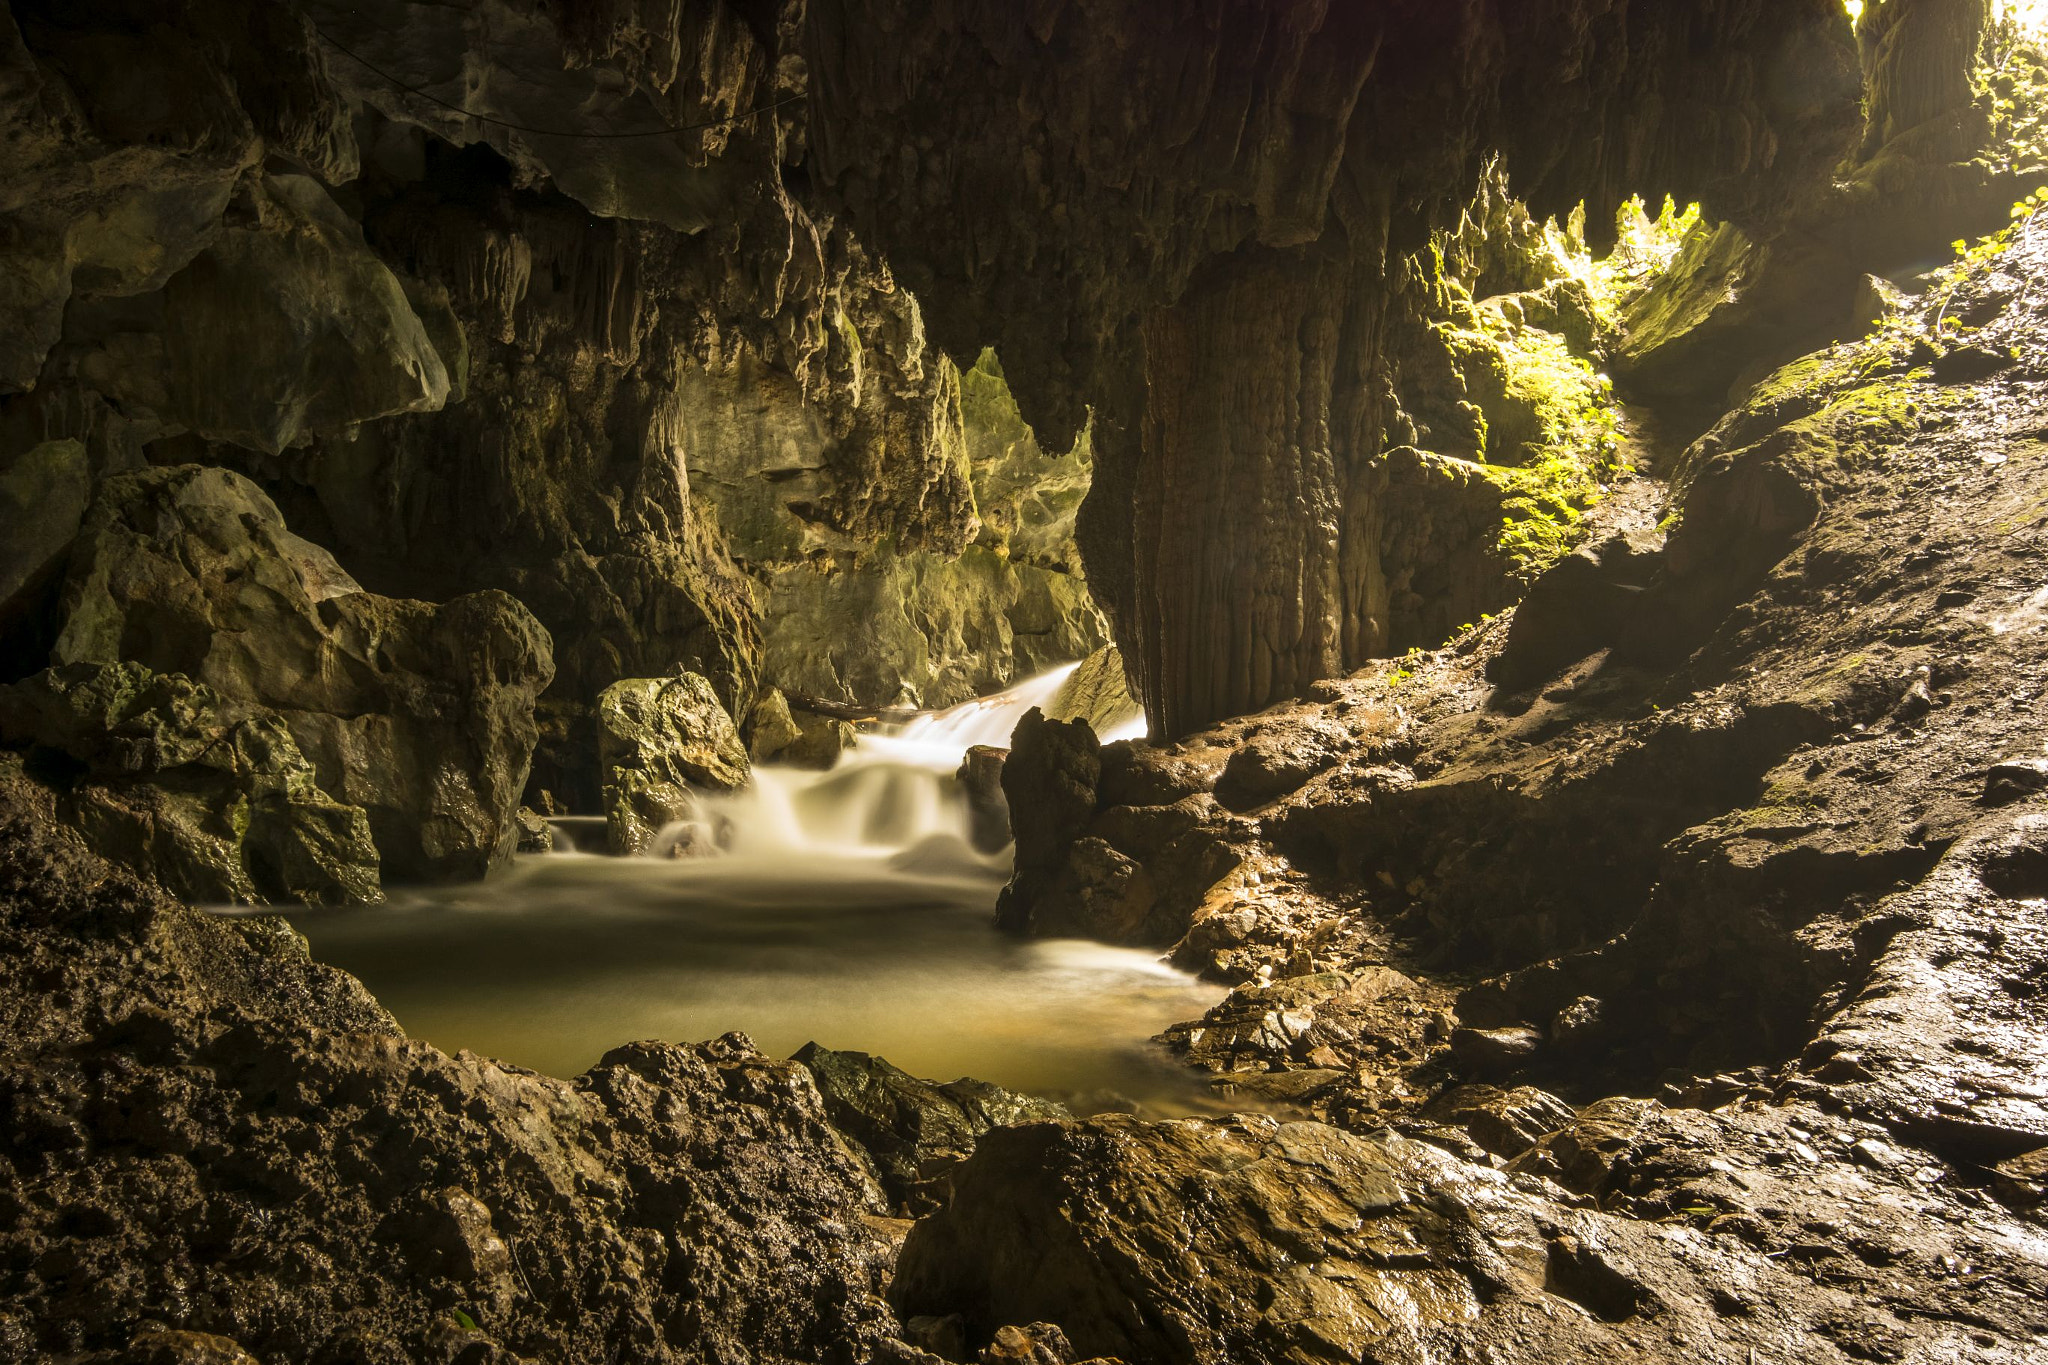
(212, 1137)
(209, 797)
(660, 739)
(911, 1132)
(1218, 290)
(1261, 1241)
(420, 714)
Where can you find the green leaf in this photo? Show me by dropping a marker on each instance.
(465, 1321)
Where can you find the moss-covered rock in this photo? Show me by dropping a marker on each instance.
(209, 795)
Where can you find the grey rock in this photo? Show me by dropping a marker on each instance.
(210, 796)
(420, 714)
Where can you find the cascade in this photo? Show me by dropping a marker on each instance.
(892, 798)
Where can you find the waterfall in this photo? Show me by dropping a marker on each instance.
(892, 798)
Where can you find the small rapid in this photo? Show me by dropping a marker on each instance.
(892, 797)
(848, 906)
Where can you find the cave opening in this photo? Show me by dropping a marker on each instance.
(1250, 681)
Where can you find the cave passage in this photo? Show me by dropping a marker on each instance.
(1023, 682)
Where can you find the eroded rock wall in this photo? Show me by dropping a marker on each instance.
(1225, 200)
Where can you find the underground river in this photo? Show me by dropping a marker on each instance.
(846, 907)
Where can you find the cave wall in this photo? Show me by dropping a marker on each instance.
(652, 317)
(1099, 199)
(639, 384)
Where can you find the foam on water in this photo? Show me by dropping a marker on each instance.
(846, 907)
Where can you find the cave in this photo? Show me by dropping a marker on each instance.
(1023, 682)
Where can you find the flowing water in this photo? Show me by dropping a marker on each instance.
(846, 907)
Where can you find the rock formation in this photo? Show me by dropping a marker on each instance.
(414, 417)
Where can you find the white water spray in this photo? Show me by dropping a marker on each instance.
(893, 798)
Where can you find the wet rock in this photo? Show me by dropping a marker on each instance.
(820, 741)
(1097, 692)
(1049, 784)
(554, 1214)
(180, 1348)
(1495, 1050)
(1271, 765)
(536, 835)
(1311, 1031)
(981, 779)
(1579, 606)
(1040, 1343)
(420, 714)
(209, 795)
(1251, 1240)
(944, 1337)
(1506, 1123)
(660, 739)
(912, 1132)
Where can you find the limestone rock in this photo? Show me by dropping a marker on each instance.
(1257, 1242)
(1506, 1123)
(1585, 603)
(913, 1131)
(420, 714)
(1097, 692)
(404, 1182)
(981, 782)
(1049, 783)
(210, 796)
(820, 740)
(674, 729)
(284, 327)
(659, 739)
(770, 727)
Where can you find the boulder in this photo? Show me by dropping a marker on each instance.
(988, 813)
(1049, 782)
(1581, 605)
(210, 796)
(913, 1131)
(1246, 1240)
(820, 741)
(770, 727)
(285, 326)
(421, 714)
(659, 740)
(1506, 1123)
